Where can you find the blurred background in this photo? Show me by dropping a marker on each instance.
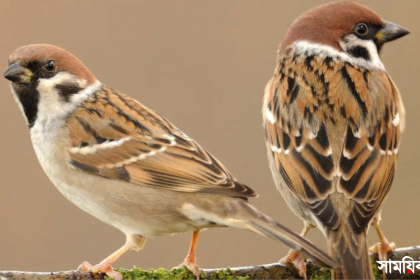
(204, 66)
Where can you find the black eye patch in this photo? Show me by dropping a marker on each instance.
(40, 69)
(35, 67)
(372, 29)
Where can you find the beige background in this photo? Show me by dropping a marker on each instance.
(203, 65)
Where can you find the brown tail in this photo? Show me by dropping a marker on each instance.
(351, 252)
(253, 220)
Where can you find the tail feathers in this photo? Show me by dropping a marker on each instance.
(351, 252)
(255, 221)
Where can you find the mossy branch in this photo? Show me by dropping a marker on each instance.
(268, 271)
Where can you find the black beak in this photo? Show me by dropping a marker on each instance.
(18, 74)
(391, 32)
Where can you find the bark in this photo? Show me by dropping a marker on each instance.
(267, 271)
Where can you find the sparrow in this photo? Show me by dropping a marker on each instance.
(332, 120)
(127, 165)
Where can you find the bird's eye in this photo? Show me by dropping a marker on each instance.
(50, 66)
(361, 29)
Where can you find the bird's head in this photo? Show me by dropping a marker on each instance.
(46, 80)
(344, 27)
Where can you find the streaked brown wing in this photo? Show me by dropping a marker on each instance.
(368, 160)
(319, 122)
(116, 137)
(300, 147)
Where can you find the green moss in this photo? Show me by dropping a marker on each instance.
(314, 272)
(176, 273)
(227, 274)
(160, 273)
(376, 272)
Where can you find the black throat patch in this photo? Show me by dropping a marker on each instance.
(29, 98)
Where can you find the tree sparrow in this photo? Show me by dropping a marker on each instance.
(333, 119)
(125, 164)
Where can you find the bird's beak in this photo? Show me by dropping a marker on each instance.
(391, 32)
(18, 74)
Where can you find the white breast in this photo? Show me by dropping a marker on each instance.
(130, 208)
(51, 142)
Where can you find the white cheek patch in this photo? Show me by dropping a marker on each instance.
(80, 97)
(48, 85)
(51, 106)
(351, 41)
(305, 47)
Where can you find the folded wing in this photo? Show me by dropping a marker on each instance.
(116, 137)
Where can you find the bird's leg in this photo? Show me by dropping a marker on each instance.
(295, 257)
(190, 260)
(383, 247)
(105, 266)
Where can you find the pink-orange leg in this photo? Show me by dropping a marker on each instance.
(190, 260)
(295, 257)
(105, 266)
(383, 248)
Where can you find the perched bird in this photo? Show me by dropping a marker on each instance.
(333, 119)
(125, 164)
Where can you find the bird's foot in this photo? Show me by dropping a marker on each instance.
(191, 266)
(104, 267)
(383, 249)
(295, 258)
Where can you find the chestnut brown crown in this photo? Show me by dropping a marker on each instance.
(37, 56)
(328, 23)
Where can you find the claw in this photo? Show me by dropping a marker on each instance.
(383, 249)
(296, 259)
(190, 261)
(104, 267)
(191, 266)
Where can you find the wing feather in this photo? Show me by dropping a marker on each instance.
(116, 137)
(331, 128)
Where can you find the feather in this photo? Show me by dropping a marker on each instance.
(116, 137)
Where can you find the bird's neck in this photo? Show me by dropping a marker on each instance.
(370, 61)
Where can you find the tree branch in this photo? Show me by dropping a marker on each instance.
(268, 271)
